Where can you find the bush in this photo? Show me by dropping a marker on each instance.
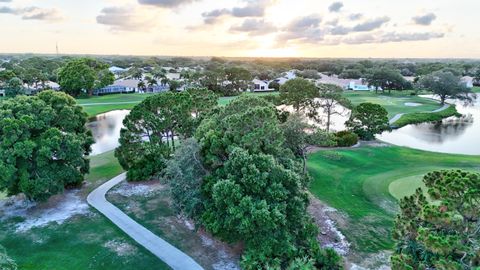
(322, 138)
(346, 138)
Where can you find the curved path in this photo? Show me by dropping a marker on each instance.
(398, 116)
(169, 254)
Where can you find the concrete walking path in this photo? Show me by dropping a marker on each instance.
(169, 254)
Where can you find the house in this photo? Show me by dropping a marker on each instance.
(261, 86)
(289, 75)
(468, 81)
(117, 70)
(119, 86)
(358, 87)
(2, 92)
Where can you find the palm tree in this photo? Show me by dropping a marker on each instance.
(141, 85)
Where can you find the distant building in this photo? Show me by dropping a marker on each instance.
(261, 86)
(129, 86)
(468, 81)
(289, 75)
(117, 70)
(358, 87)
(2, 92)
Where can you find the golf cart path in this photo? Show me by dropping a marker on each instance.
(169, 254)
(398, 116)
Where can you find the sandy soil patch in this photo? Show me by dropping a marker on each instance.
(120, 247)
(57, 209)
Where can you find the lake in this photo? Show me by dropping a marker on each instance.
(452, 135)
(106, 130)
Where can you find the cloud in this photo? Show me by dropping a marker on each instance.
(124, 19)
(335, 7)
(251, 9)
(386, 38)
(165, 3)
(254, 27)
(426, 19)
(300, 24)
(5, 1)
(34, 13)
(370, 24)
(355, 16)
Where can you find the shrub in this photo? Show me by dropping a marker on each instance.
(346, 138)
(322, 138)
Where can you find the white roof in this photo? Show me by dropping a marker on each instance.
(127, 83)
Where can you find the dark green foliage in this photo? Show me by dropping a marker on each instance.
(322, 138)
(388, 79)
(274, 85)
(298, 93)
(442, 232)
(346, 138)
(424, 117)
(149, 133)
(184, 174)
(445, 85)
(14, 87)
(367, 120)
(81, 76)
(256, 191)
(43, 144)
(6, 263)
(330, 99)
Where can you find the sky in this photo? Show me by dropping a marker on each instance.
(243, 28)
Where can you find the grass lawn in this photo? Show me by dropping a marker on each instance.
(102, 104)
(364, 183)
(394, 103)
(476, 89)
(81, 242)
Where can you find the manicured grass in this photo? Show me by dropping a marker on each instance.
(394, 103)
(476, 89)
(83, 241)
(102, 104)
(422, 117)
(357, 181)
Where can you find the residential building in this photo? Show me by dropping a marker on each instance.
(261, 86)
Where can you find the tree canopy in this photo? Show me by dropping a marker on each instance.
(367, 120)
(256, 190)
(14, 87)
(443, 230)
(152, 128)
(298, 93)
(387, 79)
(445, 85)
(43, 144)
(81, 76)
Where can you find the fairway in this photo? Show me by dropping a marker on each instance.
(394, 103)
(358, 182)
(101, 104)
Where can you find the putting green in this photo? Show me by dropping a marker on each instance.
(406, 186)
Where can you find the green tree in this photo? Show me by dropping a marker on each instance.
(255, 191)
(239, 78)
(149, 133)
(43, 144)
(203, 100)
(184, 173)
(445, 85)
(76, 77)
(14, 87)
(6, 263)
(298, 93)
(330, 99)
(387, 79)
(443, 231)
(367, 120)
(82, 75)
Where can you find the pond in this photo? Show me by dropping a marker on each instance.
(106, 130)
(454, 135)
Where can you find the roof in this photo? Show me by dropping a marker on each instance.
(126, 83)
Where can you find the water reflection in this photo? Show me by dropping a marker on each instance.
(106, 130)
(458, 135)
